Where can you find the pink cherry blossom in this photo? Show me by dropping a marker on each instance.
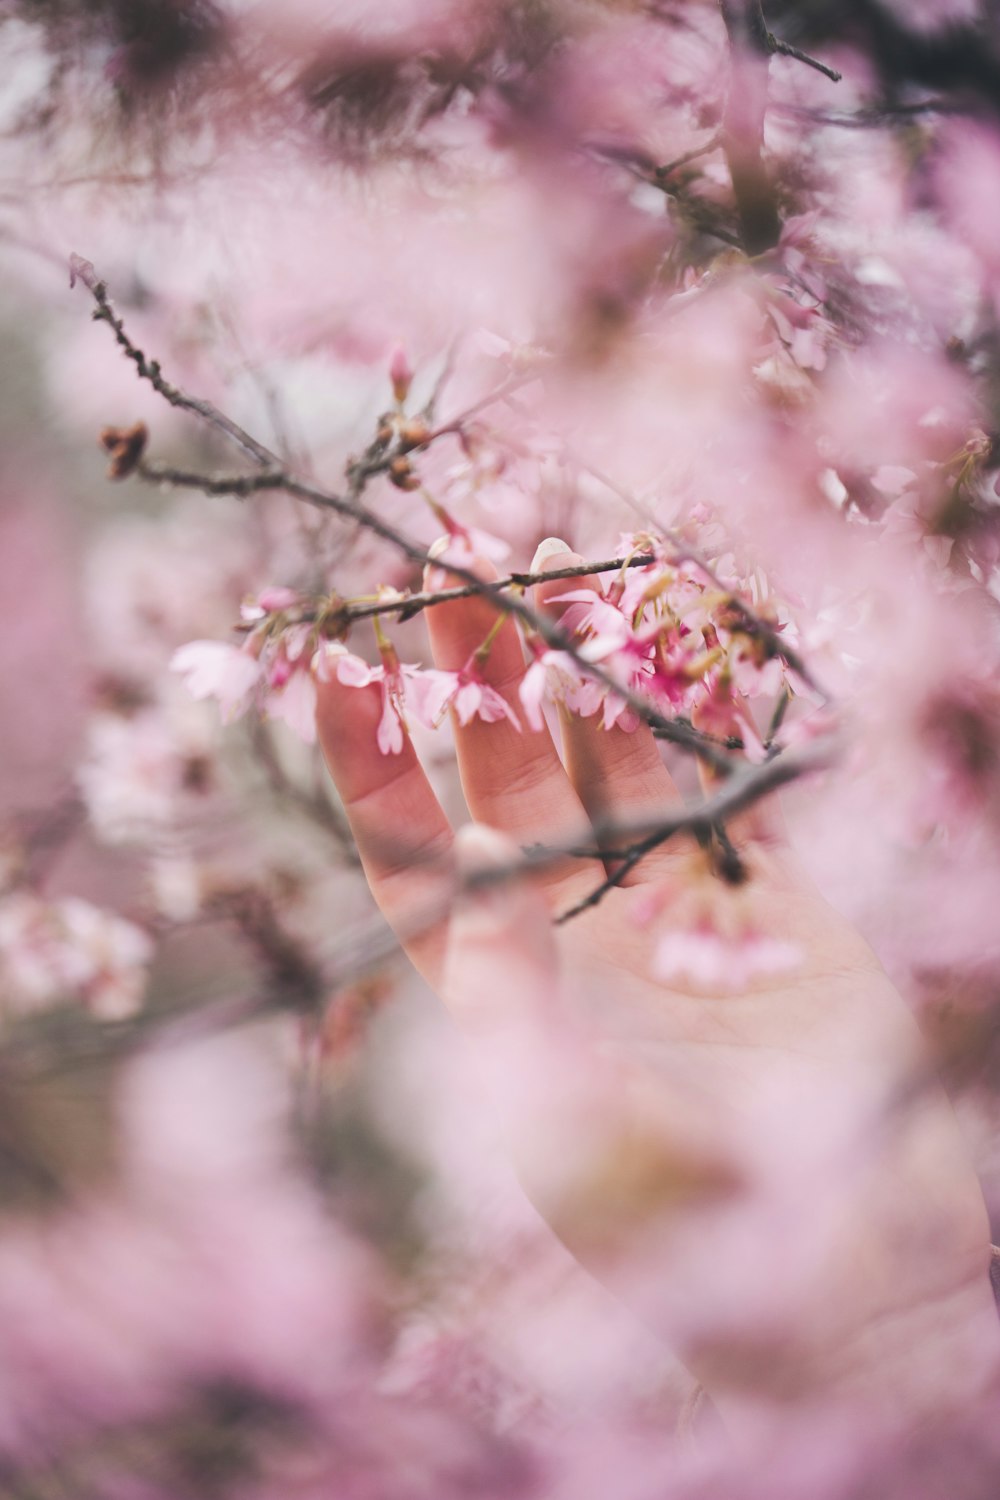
(555, 677)
(334, 660)
(213, 669)
(272, 600)
(70, 949)
(475, 698)
(721, 712)
(470, 697)
(294, 704)
(590, 615)
(131, 774)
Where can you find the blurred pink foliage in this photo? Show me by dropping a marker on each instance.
(495, 271)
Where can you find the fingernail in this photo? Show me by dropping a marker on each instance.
(437, 578)
(552, 546)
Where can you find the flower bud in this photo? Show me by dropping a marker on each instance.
(413, 433)
(400, 374)
(125, 446)
(402, 476)
(271, 600)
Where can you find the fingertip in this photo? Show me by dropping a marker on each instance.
(437, 574)
(547, 594)
(402, 834)
(547, 551)
(511, 780)
(457, 627)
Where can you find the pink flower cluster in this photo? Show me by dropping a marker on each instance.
(283, 656)
(270, 671)
(671, 630)
(426, 691)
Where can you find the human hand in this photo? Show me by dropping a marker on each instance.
(736, 1130)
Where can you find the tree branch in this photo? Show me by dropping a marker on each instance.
(242, 485)
(877, 117)
(743, 124)
(149, 369)
(377, 458)
(668, 168)
(513, 383)
(631, 840)
(751, 47)
(678, 732)
(785, 49)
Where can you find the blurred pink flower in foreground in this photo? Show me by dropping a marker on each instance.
(214, 670)
(717, 964)
(490, 269)
(57, 951)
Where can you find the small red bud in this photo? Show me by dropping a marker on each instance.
(125, 445)
(400, 374)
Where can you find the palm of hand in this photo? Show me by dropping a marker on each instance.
(756, 1116)
(789, 1124)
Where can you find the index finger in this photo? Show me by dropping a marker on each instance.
(403, 837)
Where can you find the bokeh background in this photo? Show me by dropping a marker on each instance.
(255, 1238)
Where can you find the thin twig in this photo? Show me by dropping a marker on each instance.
(243, 485)
(784, 49)
(406, 606)
(764, 40)
(727, 858)
(876, 117)
(751, 46)
(54, 1044)
(350, 507)
(743, 124)
(447, 370)
(513, 383)
(667, 170)
(149, 369)
(629, 859)
(630, 840)
(239, 485)
(317, 807)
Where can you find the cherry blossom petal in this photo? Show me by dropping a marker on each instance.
(389, 735)
(213, 669)
(295, 705)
